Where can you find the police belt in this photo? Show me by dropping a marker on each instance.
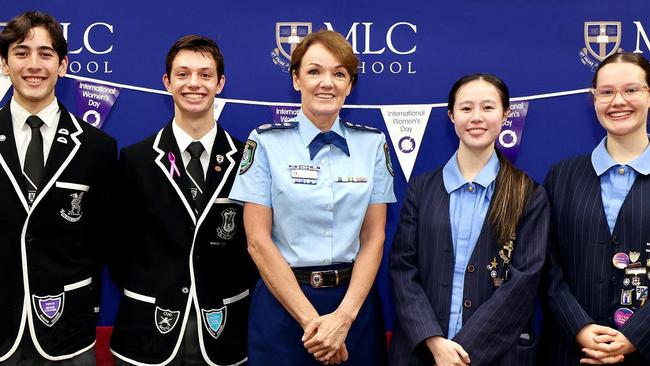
(320, 279)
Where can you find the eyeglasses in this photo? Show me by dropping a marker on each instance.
(630, 93)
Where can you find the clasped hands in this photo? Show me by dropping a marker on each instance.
(603, 345)
(324, 337)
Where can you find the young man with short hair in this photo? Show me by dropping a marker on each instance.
(183, 268)
(55, 185)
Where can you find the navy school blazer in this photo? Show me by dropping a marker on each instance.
(580, 284)
(421, 270)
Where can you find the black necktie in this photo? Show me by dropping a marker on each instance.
(195, 169)
(34, 165)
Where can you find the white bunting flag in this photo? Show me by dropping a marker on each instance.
(406, 125)
(5, 84)
(218, 107)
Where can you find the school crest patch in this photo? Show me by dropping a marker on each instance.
(247, 156)
(166, 320)
(48, 308)
(214, 321)
(227, 229)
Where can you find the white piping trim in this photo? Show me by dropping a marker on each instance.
(23, 247)
(79, 284)
(235, 298)
(171, 180)
(139, 297)
(75, 186)
(14, 183)
(358, 106)
(223, 201)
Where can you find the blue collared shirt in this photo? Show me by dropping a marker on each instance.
(468, 206)
(316, 224)
(616, 179)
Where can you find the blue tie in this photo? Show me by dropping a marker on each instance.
(326, 138)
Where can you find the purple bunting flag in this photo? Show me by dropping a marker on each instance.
(95, 101)
(509, 140)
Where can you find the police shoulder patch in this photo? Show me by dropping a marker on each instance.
(389, 165)
(276, 126)
(357, 126)
(247, 156)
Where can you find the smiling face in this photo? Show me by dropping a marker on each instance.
(193, 83)
(323, 83)
(477, 115)
(621, 117)
(34, 68)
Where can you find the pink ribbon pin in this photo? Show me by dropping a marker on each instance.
(173, 168)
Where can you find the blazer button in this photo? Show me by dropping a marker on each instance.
(185, 290)
(615, 240)
(470, 268)
(468, 303)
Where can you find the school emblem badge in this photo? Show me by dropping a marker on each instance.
(214, 320)
(287, 37)
(48, 308)
(227, 229)
(602, 39)
(74, 214)
(247, 156)
(166, 319)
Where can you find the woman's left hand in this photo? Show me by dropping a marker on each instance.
(326, 334)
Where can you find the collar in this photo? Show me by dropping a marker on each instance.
(183, 139)
(47, 114)
(453, 180)
(308, 130)
(602, 161)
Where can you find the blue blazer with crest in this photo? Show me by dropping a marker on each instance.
(580, 283)
(421, 269)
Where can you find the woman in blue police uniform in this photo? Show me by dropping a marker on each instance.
(595, 283)
(470, 246)
(315, 193)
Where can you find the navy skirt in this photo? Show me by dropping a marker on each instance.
(274, 335)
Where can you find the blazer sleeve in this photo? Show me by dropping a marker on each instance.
(497, 324)
(566, 309)
(415, 314)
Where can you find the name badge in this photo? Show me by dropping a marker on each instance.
(304, 174)
(351, 179)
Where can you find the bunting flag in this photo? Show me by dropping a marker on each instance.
(283, 113)
(406, 125)
(95, 101)
(218, 107)
(5, 84)
(509, 140)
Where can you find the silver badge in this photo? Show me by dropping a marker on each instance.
(219, 159)
(3, 138)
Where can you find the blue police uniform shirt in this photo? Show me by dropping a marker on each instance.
(616, 179)
(318, 205)
(468, 206)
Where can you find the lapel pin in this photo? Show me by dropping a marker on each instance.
(2, 138)
(62, 140)
(219, 159)
(217, 168)
(173, 169)
(63, 131)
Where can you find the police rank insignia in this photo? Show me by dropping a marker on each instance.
(227, 229)
(74, 214)
(389, 165)
(214, 321)
(48, 308)
(166, 319)
(247, 156)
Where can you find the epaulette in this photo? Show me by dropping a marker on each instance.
(360, 127)
(276, 126)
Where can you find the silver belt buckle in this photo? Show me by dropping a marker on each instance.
(316, 279)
